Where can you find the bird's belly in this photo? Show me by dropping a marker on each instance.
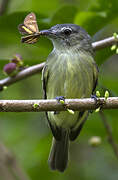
(71, 80)
(63, 119)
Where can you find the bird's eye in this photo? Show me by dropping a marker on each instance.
(67, 31)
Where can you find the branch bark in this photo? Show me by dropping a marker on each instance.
(53, 105)
(104, 43)
(38, 68)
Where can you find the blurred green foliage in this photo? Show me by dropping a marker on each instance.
(27, 134)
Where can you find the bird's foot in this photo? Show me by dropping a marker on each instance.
(98, 103)
(61, 100)
(93, 96)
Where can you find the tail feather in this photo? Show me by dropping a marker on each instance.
(58, 157)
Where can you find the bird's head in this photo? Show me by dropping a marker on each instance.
(67, 36)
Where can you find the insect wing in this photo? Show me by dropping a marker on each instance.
(31, 23)
(31, 39)
(23, 29)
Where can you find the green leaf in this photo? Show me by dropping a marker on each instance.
(106, 5)
(90, 21)
(107, 31)
(65, 14)
(10, 38)
(35, 6)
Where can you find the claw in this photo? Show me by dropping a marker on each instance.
(58, 98)
(90, 111)
(96, 101)
(95, 98)
(56, 112)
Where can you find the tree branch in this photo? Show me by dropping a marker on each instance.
(38, 68)
(21, 75)
(9, 167)
(3, 6)
(109, 133)
(53, 105)
(104, 43)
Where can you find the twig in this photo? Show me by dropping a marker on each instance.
(104, 43)
(38, 68)
(109, 133)
(21, 75)
(3, 6)
(9, 167)
(53, 105)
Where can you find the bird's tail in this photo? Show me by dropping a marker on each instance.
(58, 157)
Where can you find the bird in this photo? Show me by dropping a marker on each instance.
(69, 72)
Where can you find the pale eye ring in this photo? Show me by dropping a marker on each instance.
(67, 31)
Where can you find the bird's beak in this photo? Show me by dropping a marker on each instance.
(46, 32)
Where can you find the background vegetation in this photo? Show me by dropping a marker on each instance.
(27, 134)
